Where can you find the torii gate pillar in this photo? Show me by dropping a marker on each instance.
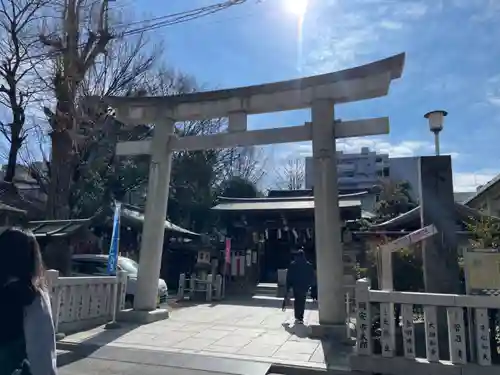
(329, 254)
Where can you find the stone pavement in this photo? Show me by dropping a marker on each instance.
(124, 361)
(255, 330)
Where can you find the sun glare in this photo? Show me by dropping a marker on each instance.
(298, 7)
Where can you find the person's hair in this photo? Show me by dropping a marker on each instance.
(20, 258)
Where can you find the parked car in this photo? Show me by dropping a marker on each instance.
(97, 265)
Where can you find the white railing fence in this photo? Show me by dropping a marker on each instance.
(388, 345)
(80, 303)
(210, 288)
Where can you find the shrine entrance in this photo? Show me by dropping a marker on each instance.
(319, 93)
(274, 228)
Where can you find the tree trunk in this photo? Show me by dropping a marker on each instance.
(15, 145)
(58, 253)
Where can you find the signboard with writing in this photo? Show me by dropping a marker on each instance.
(431, 333)
(363, 321)
(483, 337)
(482, 272)
(410, 239)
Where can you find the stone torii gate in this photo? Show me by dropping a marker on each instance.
(320, 93)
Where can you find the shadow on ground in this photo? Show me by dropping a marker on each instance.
(261, 302)
(336, 355)
(86, 347)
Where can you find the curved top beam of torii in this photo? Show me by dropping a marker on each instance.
(359, 83)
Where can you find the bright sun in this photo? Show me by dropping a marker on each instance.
(298, 7)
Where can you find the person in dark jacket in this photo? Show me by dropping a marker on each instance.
(299, 278)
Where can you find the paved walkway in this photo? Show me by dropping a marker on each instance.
(110, 360)
(254, 330)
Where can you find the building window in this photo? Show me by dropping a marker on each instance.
(386, 172)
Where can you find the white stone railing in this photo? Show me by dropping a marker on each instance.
(212, 289)
(80, 303)
(470, 348)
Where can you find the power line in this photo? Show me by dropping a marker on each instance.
(160, 22)
(176, 18)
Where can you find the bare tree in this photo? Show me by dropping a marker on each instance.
(81, 38)
(19, 57)
(248, 163)
(292, 174)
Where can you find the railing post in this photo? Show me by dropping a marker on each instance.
(388, 334)
(431, 333)
(210, 280)
(192, 286)
(122, 290)
(218, 287)
(483, 337)
(52, 278)
(408, 331)
(180, 288)
(456, 335)
(363, 318)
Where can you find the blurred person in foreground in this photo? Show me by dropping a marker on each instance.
(27, 336)
(299, 278)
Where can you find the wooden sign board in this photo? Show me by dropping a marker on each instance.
(409, 239)
(482, 272)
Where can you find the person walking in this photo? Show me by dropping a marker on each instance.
(27, 335)
(299, 278)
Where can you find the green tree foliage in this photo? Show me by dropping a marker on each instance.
(485, 232)
(394, 200)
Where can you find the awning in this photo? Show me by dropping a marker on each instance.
(277, 204)
(412, 217)
(56, 228)
(6, 208)
(135, 214)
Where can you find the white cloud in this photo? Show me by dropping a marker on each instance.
(378, 144)
(493, 90)
(346, 31)
(391, 25)
(412, 10)
(465, 181)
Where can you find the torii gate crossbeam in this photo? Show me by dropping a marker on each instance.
(320, 93)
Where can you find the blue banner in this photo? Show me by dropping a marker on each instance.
(115, 241)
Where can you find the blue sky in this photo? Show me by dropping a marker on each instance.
(453, 63)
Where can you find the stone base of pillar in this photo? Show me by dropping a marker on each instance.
(337, 333)
(142, 317)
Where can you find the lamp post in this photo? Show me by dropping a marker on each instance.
(436, 119)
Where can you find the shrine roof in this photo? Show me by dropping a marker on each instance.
(135, 214)
(6, 208)
(280, 203)
(489, 185)
(411, 217)
(57, 228)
